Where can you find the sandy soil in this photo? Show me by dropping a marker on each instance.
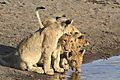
(99, 20)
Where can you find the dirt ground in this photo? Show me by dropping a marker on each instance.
(99, 20)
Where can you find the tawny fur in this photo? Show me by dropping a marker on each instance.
(44, 44)
(67, 43)
(75, 59)
(41, 43)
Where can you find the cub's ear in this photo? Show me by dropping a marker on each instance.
(60, 16)
(82, 52)
(81, 37)
(70, 21)
(76, 33)
(57, 18)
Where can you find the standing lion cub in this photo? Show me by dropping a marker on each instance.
(70, 51)
(42, 44)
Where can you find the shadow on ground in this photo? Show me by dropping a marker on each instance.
(6, 49)
(8, 56)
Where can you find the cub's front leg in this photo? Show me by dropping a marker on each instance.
(47, 63)
(64, 63)
(56, 56)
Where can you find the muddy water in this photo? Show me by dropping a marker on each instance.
(97, 70)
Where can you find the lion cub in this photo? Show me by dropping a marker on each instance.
(75, 59)
(42, 44)
(64, 45)
(74, 51)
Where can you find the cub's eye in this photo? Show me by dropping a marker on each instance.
(70, 32)
(65, 40)
(66, 34)
(76, 32)
(71, 41)
(79, 46)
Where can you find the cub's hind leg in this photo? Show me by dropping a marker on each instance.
(23, 65)
(30, 67)
(34, 68)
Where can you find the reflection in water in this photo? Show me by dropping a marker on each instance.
(58, 76)
(96, 70)
(75, 76)
(67, 76)
(102, 69)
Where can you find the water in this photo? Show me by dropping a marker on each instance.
(98, 70)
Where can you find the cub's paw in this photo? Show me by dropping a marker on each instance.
(39, 70)
(66, 67)
(60, 70)
(65, 64)
(50, 72)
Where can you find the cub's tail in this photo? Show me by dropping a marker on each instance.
(38, 16)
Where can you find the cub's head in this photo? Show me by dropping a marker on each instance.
(75, 59)
(74, 46)
(49, 21)
(80, 41)
(61, 21)
(71, 29)
(70, 42)
(66, 42)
